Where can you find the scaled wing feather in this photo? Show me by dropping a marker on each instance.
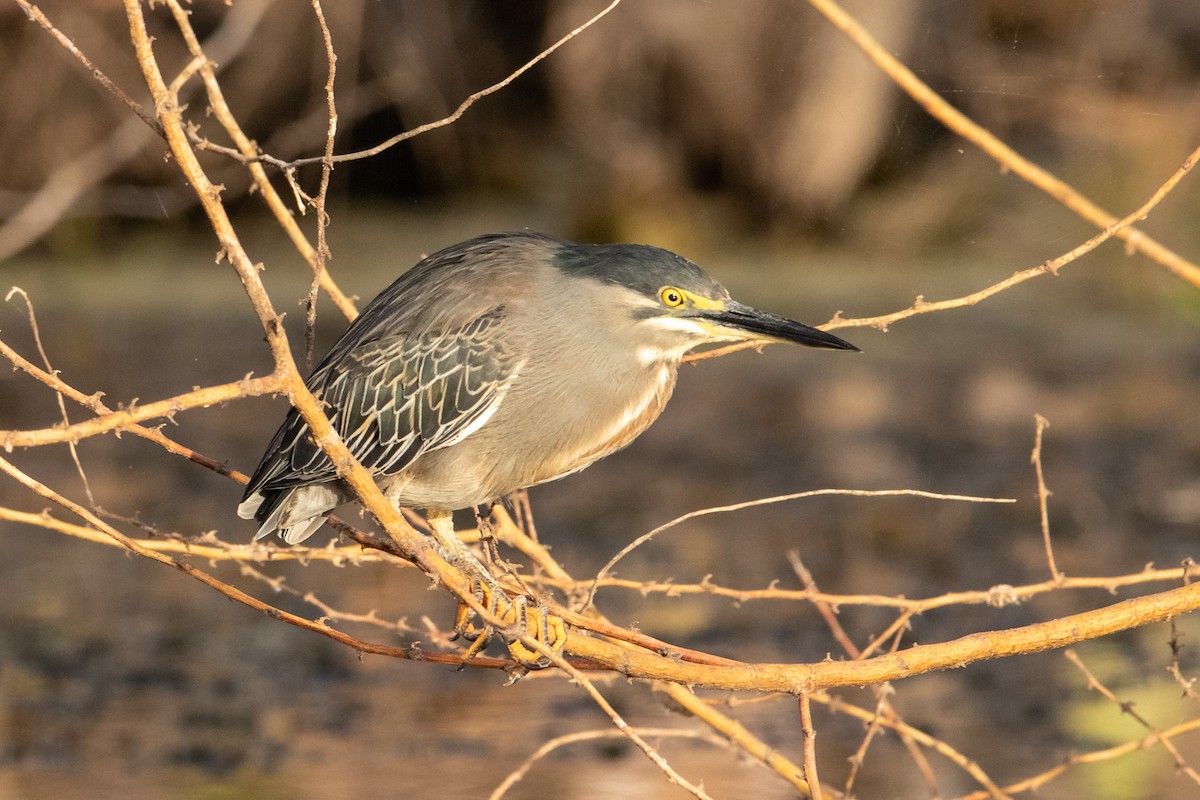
(395, 397)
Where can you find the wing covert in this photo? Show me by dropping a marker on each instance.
(395, 397)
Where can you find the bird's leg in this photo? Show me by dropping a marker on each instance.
(451, 548)
(517, 614)
(487, 535)
(496, 565)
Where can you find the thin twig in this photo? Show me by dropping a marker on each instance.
(873, 728)
(1043, 495)
(232, 592)
(910, 607)
(557, 742)
(318, 266)
(94, 403)
(208, 546)
(58, 396)
(998, 596)
(589, 688)
(247, 148)
(892, 633)
(920, 306)
(884, 708)
(810, 748)
(958, 122)
(458, 112)
(37, 16)
(1128, 708)
(703, 512)
(1049, 267)
(919, 737)
(683, 696)
(1188, 684)
(825, 609)
(1094, 757)
(127, 417)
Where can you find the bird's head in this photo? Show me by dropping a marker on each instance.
(674, 306)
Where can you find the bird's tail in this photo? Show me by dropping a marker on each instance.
(296, 513)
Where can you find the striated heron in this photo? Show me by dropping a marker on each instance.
(496, 364)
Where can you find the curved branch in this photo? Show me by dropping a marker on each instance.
(916, 660)
(411, 544)
(232, 592)
(1050, 267)
(551, 745)
(249, 150)
(126, 418)
(457, 113)
(1093, 757)
(94, 403)
(986, 141)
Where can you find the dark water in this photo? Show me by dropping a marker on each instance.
(119, 678)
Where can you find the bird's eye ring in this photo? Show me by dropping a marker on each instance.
(671, 297)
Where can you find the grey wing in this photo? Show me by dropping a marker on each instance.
(404, 396)
(393, 398)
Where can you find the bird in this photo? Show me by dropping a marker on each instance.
(502, 362)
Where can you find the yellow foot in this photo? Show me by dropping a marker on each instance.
(517, 617)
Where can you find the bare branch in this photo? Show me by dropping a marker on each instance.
(1128, 708)
(1043, 495)
(703, 512)
(975, 133)
(458, 112)
(37, 16)
(318, 266)
(810, 748)
(248, 148)
(234, 593)
(94, 403)
(580, 680)
(126, 418)
(916, 660)
(1051, 267)
(557, 742)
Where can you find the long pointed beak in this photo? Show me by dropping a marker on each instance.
(748, 323)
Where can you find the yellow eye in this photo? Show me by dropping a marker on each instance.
(671, 297)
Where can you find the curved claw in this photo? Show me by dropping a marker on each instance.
(463, 629)
(543, 626)
(518, 617)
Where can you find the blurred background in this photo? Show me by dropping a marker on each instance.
(752, 138)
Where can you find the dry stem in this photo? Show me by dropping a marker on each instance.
(1008, 158)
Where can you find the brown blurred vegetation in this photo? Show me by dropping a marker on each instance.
(666, 106)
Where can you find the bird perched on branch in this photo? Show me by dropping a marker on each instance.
(496, 364)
